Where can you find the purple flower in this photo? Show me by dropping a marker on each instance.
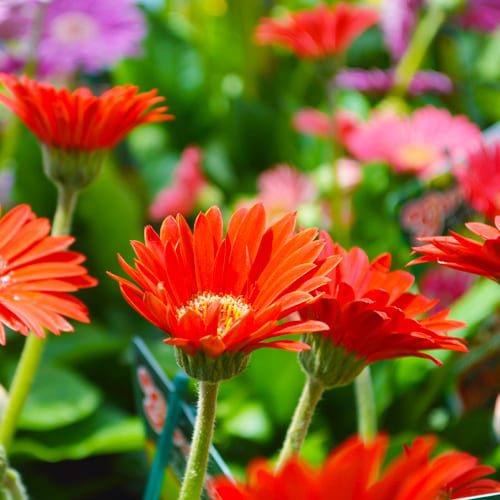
(9, 63)
(398, 19)
(89, 34)
(382, 81)
(16, 17)
(483, 15)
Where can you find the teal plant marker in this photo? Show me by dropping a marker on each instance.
(155, 480)
(168, 424)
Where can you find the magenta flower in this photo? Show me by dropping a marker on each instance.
(16, 17)
(397, 20)
(447, 285)
(382, 81)
(182, 194)
(88, 35)
(483, 15)
(423, 144)
(9, 63)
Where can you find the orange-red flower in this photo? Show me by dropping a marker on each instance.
(353, 472)
(219, 294)
(323, 31)
(465, 254)
(36, 274)
(371, 316)
(79, 120)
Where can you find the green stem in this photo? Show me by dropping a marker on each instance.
(297, 431)
(66, 203)
(33, 348)
(365, 402)
(420, 42)
(21, 384)
(196, 468)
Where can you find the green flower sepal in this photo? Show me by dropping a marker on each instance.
(202, 367)
(72, 168)
(331, 365)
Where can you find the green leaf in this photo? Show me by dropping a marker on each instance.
(58, 397)
(277, 379)
(88, 343)
(106, 431)
(249, 421)
(472, 308)
(112, 216)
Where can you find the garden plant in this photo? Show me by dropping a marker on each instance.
(293, 203)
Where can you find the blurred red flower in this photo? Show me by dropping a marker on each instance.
(353, 472)
(370, 313)
(465, 254)
(319, 32)
(79, 120)
(479, 179)
(36, 274)
(218, 294)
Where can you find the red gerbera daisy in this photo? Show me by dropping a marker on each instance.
(465, 254)
(319, 32)
(479, 179)
(218, 295)
(353, 472)
(79, 120)
(371, 316)
(36, 274)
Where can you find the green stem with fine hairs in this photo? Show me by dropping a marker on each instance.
(297, 431)
(33, 347)
(196, 468)
(365, 403)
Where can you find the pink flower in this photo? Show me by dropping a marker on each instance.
(283, 189)
(348, 173)
(310, 121)
(187, 183)
(479, 179)
(397, 20)
(422, 143)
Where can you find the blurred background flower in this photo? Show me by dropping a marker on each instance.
(423, 144)
(479, 179)
(182, 194)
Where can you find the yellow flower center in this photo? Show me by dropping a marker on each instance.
(231, 309)
(416, 156)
